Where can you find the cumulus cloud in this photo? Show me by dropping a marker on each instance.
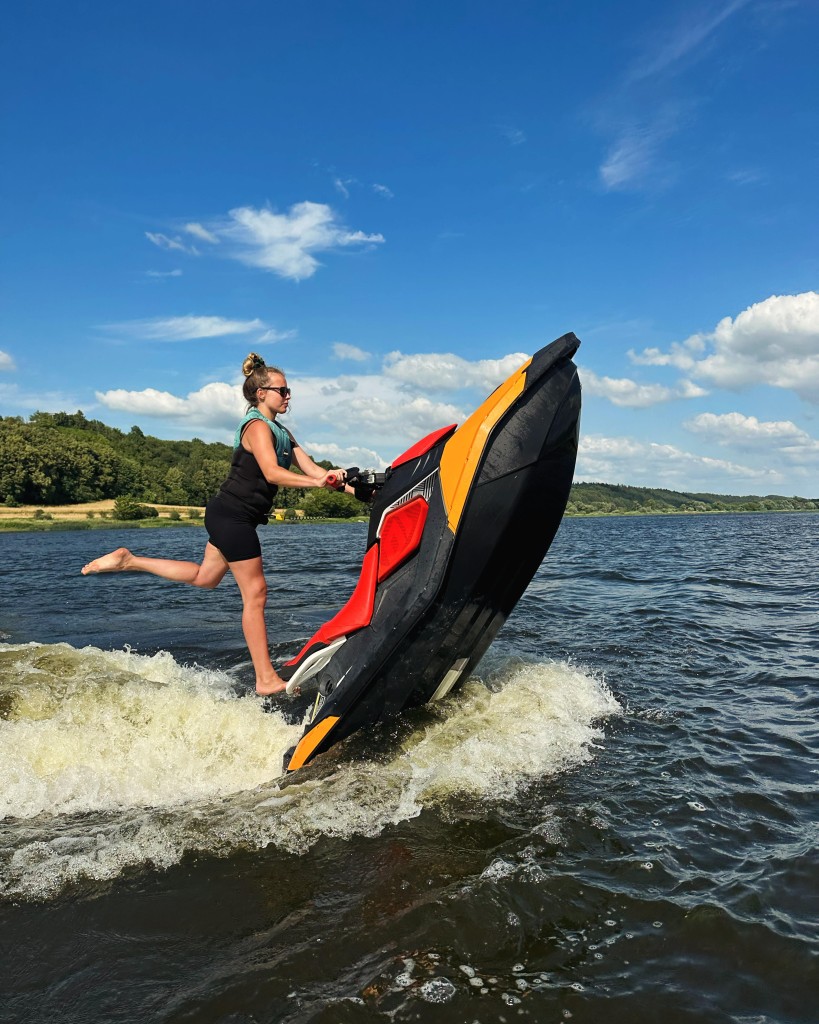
(189, 328)
(638, 463)
(752, 434)
(443, 372)
(215, 406)
(773, 342)
(630, 394)
(368, 419)
(6, 362)
(351, 352)
(354, 455)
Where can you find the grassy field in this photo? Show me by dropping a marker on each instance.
(95, 515)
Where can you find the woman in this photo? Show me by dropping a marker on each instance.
(262, 455)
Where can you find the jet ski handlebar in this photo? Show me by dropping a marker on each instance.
(365, 482)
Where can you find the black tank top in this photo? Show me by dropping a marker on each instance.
(246, 484)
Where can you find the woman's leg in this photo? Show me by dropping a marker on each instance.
(250, 578)
(207, 575)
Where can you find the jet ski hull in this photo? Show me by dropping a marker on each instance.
(456, 534)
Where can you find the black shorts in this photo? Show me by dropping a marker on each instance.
(232, 529)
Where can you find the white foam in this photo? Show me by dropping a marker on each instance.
(91, 730)
(167, 759)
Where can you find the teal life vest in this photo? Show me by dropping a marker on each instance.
(246, 483)
(281, 438)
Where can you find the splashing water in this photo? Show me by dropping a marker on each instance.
(115, 760)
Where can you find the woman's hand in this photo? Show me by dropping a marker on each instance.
(334, 479)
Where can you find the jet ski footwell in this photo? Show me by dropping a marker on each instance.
(457, 532)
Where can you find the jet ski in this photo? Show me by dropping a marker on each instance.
(459, 525)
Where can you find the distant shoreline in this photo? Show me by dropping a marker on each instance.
(95, 516)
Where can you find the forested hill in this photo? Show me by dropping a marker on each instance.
(64, 458)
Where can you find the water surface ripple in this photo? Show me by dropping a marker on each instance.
(616, 819)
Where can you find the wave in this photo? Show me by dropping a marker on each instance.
(119, 761)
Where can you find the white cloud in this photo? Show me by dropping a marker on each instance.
(271, 336)
(351, 352)
(514, 136)
(285, 243)
(774, 342)
(341, 186)
(747, 432)
(443, 372)
(633, 155)
(214, 406)
(188, 328)
(202, 233)
(638, 463)
(171, 244)
(629, 394)
(364, 458)
(641, 113)
(6, 362)
(163, 273)
(382, 190)
(684, 40)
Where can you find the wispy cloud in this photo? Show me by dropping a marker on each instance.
(351, 352)
(163, 273)
(170, 244)
(201, 233)
(7, 363)
(190, 328)
(649, 107)
(383, 191)
(683, 41)
(514, 136)
(632, 158)
(283, 243)
(286, 243)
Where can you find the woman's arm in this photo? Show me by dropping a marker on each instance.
(258, 439)
(305, 463)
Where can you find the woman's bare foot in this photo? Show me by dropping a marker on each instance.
(115, 562)
(275, 684)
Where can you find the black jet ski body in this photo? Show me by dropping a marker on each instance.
(456, 533)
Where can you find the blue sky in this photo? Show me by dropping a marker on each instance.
(398, 202)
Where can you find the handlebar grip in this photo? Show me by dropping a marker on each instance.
(335, 481)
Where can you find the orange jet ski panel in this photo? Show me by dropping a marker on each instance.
(464, 449)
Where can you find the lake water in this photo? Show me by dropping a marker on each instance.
(615, 822)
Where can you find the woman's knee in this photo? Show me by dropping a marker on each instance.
(255, 593)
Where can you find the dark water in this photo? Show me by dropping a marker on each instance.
(616, 822)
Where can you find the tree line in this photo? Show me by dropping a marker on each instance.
(64, 458)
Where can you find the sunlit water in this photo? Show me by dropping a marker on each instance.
(615, 820)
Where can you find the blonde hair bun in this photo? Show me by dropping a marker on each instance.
(253, 362)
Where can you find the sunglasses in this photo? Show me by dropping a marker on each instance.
(284, 392)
